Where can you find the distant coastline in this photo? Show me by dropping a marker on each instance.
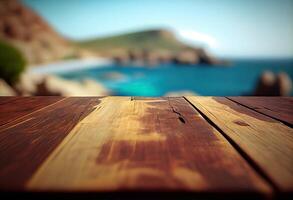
(69, 65)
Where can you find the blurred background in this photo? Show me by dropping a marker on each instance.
(146, 48)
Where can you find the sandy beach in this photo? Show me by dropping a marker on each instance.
(68, 65)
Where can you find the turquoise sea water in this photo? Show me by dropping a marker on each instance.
(238, 79)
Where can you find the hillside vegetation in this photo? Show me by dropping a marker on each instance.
(12, 63)
(152, 40)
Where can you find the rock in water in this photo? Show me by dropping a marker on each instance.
(50, 85)
(284, 84)
(270, 84)
(56, 86)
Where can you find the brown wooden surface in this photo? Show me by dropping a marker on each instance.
(4, 100)
(266, 141)
(12, 108)
(26, 144)
(280, 108)
(146, 144)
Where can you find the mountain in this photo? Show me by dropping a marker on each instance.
(148, 47)
(152, 40)
(26, 30)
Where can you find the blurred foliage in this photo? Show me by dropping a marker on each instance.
(12, 63)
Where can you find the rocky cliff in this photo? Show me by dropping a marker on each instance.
(30, 33)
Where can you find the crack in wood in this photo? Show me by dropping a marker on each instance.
(180, 116)
(241, 151)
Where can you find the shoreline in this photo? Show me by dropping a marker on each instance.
(68, 65)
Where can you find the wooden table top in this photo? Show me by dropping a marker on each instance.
(200, 146)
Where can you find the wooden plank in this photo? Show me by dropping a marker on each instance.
(12, 108)
(266, 141)
(25, 145)
(280, 108)
(4, 99)
(146, 144)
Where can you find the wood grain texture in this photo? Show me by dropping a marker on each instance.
(145, 144)
(280, 108)
(4, 99)
(267, 141)
(26, 144)
(12, 108)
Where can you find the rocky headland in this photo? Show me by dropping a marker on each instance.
(190, 57)
(149, 48)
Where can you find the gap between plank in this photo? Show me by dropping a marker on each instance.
(242, 153)
(10, 124)
(279, 120)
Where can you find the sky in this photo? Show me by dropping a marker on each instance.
(227, 28)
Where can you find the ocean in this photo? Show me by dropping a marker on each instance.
(238, 79)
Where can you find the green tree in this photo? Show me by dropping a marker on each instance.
(12, 63)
